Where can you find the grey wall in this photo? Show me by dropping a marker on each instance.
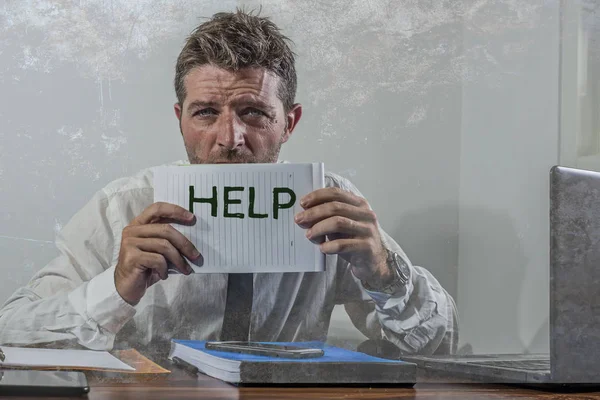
(87, 97)
(421, 104)
(509, 141)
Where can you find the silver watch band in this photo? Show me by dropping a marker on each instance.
(401, 274)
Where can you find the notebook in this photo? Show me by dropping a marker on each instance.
(244, 214)
(337, 366)
(33, 358)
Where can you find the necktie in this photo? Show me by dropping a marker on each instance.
(238, 307)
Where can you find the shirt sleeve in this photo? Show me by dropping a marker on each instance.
(73, 300)
(420, 318)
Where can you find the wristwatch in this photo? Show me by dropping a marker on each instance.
(400, 271)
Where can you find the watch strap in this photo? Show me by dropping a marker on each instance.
(400, 271)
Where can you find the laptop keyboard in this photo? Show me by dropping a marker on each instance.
(528, 365)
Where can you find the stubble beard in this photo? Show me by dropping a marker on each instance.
(234, 156)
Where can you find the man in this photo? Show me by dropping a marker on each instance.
(235, 83)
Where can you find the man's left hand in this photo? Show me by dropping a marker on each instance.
(351, 227)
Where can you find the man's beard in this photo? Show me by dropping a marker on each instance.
(234, 156)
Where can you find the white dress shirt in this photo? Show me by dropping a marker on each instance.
(73, 300)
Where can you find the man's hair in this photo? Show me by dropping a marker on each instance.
(238, 40)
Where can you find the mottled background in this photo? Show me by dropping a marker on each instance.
(445, 114)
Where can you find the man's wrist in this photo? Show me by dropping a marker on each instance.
(382, 278)
(394, 275)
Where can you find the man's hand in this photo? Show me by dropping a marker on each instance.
(351, 227)
(148, 245)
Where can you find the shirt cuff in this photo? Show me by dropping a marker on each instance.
(379, 298)
(104, 305)
(386, 301)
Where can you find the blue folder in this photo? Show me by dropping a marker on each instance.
(336, 366)
(332, 354)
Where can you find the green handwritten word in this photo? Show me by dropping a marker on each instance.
(228, 200)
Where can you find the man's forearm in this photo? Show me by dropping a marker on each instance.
(28, 320)
(77, 318)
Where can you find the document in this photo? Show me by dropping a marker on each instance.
(60, 358)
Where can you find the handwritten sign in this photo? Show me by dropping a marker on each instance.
(227, 201)
(244, 214)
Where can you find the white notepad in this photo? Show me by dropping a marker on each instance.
(245, 214)
(60, 358)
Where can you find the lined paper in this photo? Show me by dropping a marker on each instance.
(247, 244)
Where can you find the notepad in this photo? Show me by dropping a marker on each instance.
(244, 214)
(61, 359)
(336, 366)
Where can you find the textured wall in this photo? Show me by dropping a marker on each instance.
(86, 96)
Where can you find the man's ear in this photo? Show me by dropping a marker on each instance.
(177, 109)
(292, 118)
(178, 112)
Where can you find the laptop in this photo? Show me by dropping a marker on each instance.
(574, 357)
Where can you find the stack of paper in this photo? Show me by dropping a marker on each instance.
(61, 359)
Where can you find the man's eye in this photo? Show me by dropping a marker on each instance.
(205, 112)
(254, 112)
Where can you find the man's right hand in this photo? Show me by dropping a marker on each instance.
(148, 245)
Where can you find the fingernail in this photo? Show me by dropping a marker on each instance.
(303, 202)
(309, 233)
(195, 254)
(189, 215)
(298, 217)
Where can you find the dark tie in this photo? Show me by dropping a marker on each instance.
(238, 307)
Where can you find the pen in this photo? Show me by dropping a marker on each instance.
(2, 356)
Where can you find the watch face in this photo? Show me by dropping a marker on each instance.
(402, 268)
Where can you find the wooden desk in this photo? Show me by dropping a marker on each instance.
(181, 384)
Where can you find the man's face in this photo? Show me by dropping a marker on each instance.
(233, 117)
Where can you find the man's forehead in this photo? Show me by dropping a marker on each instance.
(209, 80)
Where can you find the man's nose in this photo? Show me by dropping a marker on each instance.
(231, 133)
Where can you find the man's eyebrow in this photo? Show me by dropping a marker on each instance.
(200, 103)
(241, 102)
(255, 103)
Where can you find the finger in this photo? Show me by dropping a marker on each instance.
(339, 225)
(318, 239)
(344, 246)
(154, 277)
(164, 213)
(311, 216)
(167, 251)
(154, 261)
(166, 231)
(329, 194)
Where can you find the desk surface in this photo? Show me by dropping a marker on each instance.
(181, 384)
